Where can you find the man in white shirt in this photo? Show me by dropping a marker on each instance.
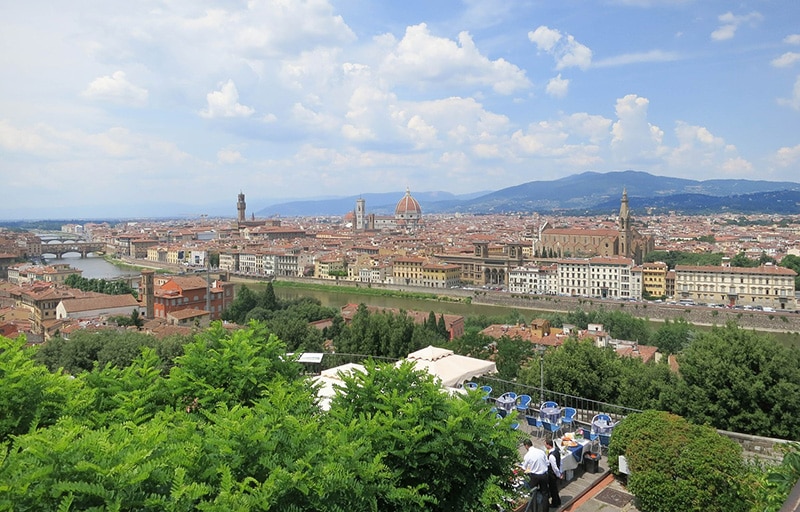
(535, 465)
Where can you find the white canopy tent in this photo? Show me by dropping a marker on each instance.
(330, 377)
(452, 369)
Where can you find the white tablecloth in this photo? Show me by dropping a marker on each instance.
(571, 456)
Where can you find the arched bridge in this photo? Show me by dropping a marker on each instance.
(83, 248)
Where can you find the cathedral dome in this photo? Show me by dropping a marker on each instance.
(407, 207)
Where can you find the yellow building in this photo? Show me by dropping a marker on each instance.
(407, 270)
(654, 278)
(329, 268)
(441, 275)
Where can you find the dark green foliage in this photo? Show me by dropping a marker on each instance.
(30, 396)
(673, 336)
(253, 440)
(676, 466)
(673, 258)
(415, 423)
(793, 262)
(115, 287)
(740, 381)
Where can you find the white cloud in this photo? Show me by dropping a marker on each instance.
(637, 58)
(787, 156)
(227, 156)
(116, 88)
(786, 60)
(634, 139)
(792, 39)
(225, 103)
(794, 101)
(566, 51)
(730, 23)
(421, 59)
(557, 86)
(736, 167)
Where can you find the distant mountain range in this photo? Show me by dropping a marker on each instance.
(579, 194)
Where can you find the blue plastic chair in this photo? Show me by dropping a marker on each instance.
(551, 427)
(523, 401)
(569, 417)
(549, 404)
(534, 422)
(471, 386)
(487, 390)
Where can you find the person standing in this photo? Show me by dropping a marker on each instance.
(554, 473)
(534, 463)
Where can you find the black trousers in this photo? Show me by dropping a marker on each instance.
(540, 481)
(552, 483)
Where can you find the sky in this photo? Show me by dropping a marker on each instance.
(175, 106)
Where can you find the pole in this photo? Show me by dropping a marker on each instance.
(541, 375)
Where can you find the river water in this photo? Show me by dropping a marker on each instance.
(94, 267)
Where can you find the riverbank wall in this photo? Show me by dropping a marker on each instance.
(783, 322)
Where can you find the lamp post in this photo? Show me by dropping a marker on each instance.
(541, 350)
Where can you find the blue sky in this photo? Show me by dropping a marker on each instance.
(136, 108)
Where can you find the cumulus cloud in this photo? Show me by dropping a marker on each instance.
(787, 156)
(634, 139)
(225, 103)
(566, 51)
(786, 60)
(557, 86)
(730, 23)
(116, 88)
(423, 58)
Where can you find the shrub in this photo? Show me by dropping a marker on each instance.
(676, 466)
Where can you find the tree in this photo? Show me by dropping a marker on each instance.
(676, 466)
(415, 424)
(793, 262)
(741, 381)
(673, 336)
(30, 396)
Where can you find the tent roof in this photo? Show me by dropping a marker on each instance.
(452, 369)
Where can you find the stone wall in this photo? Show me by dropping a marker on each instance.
(760, 320)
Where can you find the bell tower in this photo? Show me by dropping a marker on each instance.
(241, 206)
(624, 226)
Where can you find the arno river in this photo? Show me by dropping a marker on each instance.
(97, 267)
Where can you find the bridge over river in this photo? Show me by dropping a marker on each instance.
(59, 248)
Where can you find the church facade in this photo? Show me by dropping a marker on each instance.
(624, 241)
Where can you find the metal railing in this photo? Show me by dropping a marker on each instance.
(586, 408)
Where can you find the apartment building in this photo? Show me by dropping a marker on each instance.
(767, 286)
(440, 275)
(330, 267)
(598, 277)
(535, 279)
(178, 293)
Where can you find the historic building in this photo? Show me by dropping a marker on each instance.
(768, 286)
(407, 216)
(624, 241)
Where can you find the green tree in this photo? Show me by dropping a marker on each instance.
(741, 381)
(673, 336)
(30, 396)
(415, 423)
(245, 301)
(676, 466)
(793, 262)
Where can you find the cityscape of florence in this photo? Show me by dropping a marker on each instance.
(330, 255)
